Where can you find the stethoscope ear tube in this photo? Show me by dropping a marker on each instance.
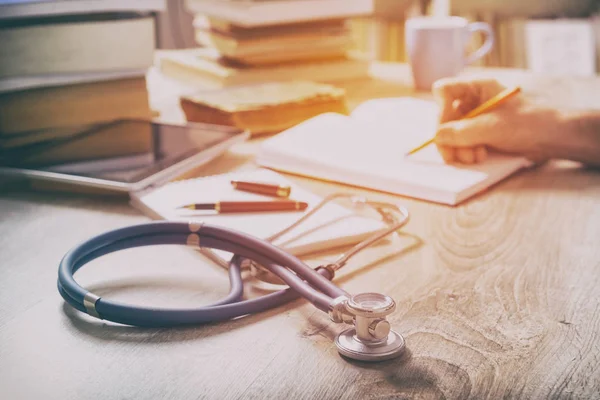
(179, 233)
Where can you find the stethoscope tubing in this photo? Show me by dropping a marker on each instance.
(236, 290)
(177, 233)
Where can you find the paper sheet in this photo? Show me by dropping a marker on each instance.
(337, 225)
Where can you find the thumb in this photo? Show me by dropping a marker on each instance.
(464, 133)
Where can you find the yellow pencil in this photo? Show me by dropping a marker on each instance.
(484, 107)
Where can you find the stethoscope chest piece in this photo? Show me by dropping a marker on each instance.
(371, 339)
(349, 345)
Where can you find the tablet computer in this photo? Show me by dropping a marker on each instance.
(172, 150)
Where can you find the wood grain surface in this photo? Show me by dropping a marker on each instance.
(497, 298)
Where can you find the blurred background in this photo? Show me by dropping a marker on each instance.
(70, 68)
(555, 27)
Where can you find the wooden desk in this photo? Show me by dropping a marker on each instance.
(499, 297)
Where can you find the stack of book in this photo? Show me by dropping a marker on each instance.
(69, 69)
(257, 41)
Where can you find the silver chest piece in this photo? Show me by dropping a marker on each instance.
(371, 339)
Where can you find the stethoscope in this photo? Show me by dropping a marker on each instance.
(371, 338)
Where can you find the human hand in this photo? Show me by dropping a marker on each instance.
(516, 126)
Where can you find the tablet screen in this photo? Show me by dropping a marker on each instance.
(126, 151)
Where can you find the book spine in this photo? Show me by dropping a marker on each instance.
(73, 105)
(77, 47)
(36, 8)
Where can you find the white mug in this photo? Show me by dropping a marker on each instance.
(437, 47)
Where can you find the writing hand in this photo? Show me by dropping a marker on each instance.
(516, 126)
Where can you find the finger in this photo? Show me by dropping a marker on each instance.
(463, 106)
(465, 155)
(490, 89)
(481, 154)
(453, 97)
(447, 153)
(458, 87)
(454, 109)
(457, 97)
(485, 129)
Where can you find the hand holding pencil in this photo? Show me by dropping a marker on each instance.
(486, 106)
(481, 114)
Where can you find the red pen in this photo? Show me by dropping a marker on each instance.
(249, 206)
(269, 189)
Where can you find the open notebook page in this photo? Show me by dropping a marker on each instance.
(368, 149)
(333, 225)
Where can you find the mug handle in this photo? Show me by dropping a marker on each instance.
(487, 45)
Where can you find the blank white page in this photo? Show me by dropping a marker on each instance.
(368, 150)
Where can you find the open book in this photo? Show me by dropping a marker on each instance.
(368, 149)
(331, 226)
